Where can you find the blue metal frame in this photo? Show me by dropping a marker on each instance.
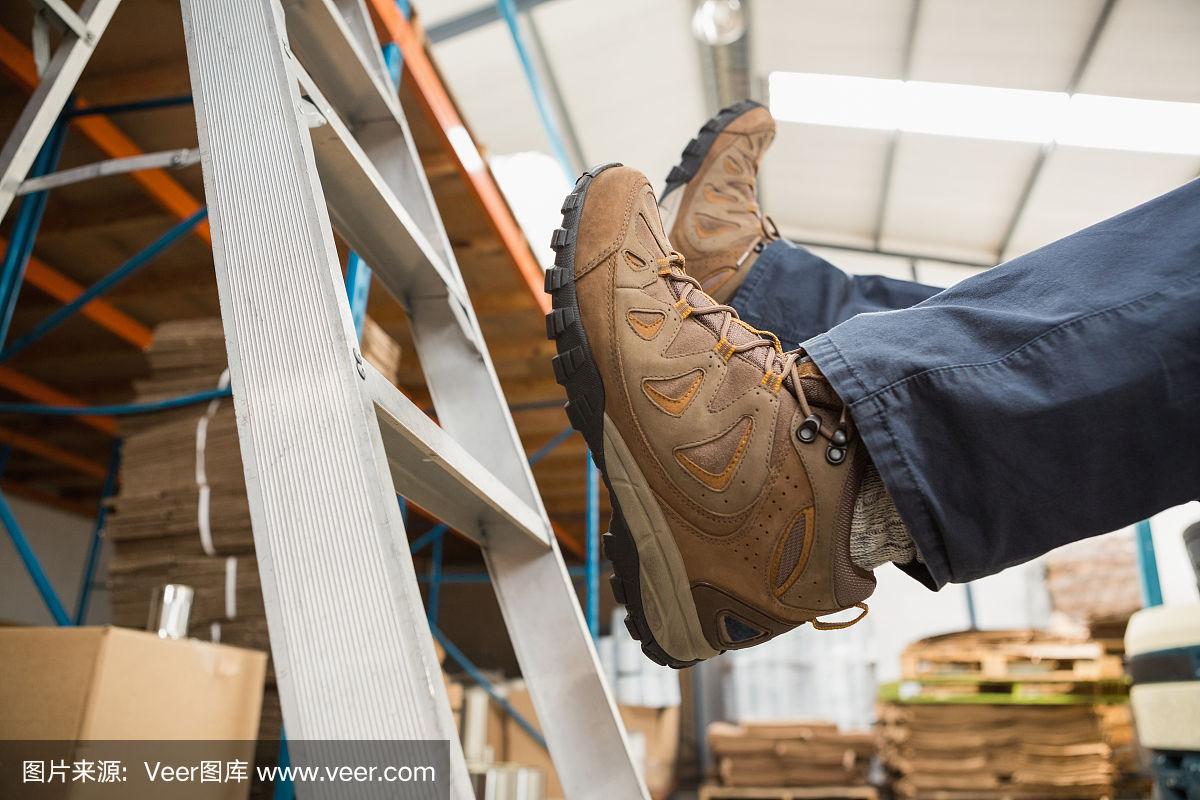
(141, 259)
(25, 227)
(432, 604)
(358, 290)
(483, 577)
(478, 677)
(137, 105)
(545, 449)
(428, 537)
(118, 409)
(93, 553)
(32, 565)
(1147, 564)
(592, 547)
(508, 11)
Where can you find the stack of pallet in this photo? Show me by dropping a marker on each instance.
(182, 515)
(1006, 714)
(789, 760)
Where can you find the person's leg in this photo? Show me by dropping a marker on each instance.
(1052, 398)
(796, 294)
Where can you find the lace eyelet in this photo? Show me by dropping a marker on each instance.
(809, 429)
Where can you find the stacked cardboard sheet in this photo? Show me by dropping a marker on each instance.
(182, 515)
(951, 751)
(1007, 714)
(791, 754)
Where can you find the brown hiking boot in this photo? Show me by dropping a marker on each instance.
(710, 204)
(732, 466)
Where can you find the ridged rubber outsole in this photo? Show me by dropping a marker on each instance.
(695, 151)
(576, 371)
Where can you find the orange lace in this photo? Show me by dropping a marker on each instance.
(672, 267)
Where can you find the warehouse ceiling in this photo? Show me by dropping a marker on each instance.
(633, 82)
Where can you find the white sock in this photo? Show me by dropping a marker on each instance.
(877, 534)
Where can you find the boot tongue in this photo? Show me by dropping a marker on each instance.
(816, 389)
(737, 335)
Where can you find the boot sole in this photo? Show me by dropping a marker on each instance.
(576, 371)
(693, 156)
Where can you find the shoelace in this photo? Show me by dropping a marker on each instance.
(672, 267)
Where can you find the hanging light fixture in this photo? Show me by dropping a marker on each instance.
(719, 22)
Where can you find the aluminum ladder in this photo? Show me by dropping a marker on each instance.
(301, 133)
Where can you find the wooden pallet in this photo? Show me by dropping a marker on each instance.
(715, 792)
(1017, 693)
(1016, 656)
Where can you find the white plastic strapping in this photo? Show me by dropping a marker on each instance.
(202, 501)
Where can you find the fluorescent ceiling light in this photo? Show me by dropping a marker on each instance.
(985, 112)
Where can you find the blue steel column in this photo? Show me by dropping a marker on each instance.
(25, 227)
(592, 546)
(32, 565)
(435, 579)
(93, 553)
(508, 11)
(135, 263)
(1147, 564)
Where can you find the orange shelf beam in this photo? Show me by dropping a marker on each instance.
(39, 392)
(41, 275)
(440, 108)
(17, 61)
(56, 455)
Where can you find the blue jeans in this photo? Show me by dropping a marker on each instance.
(1052, 398)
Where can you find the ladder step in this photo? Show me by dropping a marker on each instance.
(368, 214)
(434, 471)
(337, 63)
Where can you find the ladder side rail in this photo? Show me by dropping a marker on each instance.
(353, 651)
(574, 704)
(48, 100)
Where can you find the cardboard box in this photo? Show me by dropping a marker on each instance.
(113, 683)
(89, 696)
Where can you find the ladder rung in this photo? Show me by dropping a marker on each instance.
(435, 472)
(368, 214)
(318, 31)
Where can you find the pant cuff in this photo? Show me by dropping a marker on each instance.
(872, 423)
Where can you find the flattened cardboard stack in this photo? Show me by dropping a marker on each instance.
(790, 754)
(155, 527)
(1006, 714)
